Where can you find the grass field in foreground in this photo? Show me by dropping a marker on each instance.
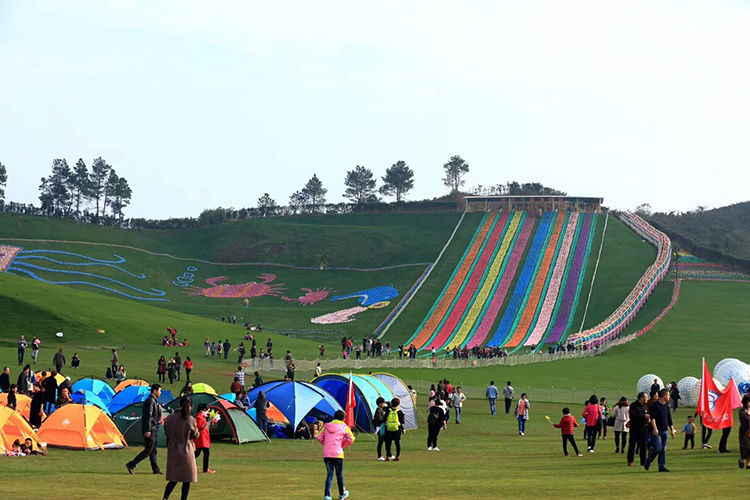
(482, 457)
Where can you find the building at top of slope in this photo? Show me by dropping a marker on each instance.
(534, 203)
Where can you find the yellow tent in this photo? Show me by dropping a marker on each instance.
(58, 376)
(81, 427)
(201, 387)
(13, 426)
(23, 404)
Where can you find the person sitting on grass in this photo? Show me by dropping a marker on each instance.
(335, 437)
(567, 427)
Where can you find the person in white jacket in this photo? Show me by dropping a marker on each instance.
(621, 415)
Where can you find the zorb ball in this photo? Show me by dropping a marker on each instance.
(690, 390)
(731, 368)
(645, 382)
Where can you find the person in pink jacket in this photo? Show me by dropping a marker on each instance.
(335, 437)
(593, 415)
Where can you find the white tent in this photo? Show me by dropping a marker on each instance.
(408, 404)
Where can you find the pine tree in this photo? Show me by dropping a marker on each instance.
(398, 180)
(3, 181)
(110, 190)
(360, 186)
(315, 193)
(59, 185)
(98, 181)
(455, 170)
(80, 184)
(266, 205)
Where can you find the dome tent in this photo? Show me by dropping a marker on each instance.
(13, 426)
(128, 421)
(274, 414)
(89, 398)
(81, 427)
(127, 396)
(235, 424)
(296, 400)
(201, 397)
(367, 389)
(408, 404)
(128, 382)
(97, 386)
(23, 405)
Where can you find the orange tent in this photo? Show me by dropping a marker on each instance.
(13, 426)
(59, 377)
(81, 427)
(23, 404)
(127, 383)
(274, 415)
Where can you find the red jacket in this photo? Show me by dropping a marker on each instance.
(567, 424)
(204, 439)
(592, 414)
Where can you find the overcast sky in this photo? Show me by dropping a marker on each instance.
(202, 104)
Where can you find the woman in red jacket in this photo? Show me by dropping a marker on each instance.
(567, 427)
(593, 415)
(203, 442)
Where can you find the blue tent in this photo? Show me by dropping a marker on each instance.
(296, 400)
(98, 387)
(89, 398)
(166, 397)
(128, 396)
(367, 390)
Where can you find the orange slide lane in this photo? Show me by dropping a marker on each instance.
(447, 299)
(544, 268)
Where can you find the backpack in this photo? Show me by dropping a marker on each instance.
(108, 375)
(392, 422)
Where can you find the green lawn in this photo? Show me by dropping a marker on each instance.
(483, 457)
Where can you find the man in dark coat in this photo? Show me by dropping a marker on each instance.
(5, 380)
(50, 392)
(59, 361)
(639, 422)
(150, 422)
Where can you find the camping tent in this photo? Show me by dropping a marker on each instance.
(408, 404)
(200, 387)
(197, 399)
(127, 396)
(128, 421)
(13, 426)
(273, 414)
(98, 387)
(89, 398)
(296, 400)
(367, 390)
(80, 427)
(235, 424)
(131, 381)
(59, 377)
(23, 404)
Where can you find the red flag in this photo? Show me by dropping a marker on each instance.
(714, 406)
(350, 404)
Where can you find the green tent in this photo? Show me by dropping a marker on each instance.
(201, 397)
(128, 420)
(234, 425)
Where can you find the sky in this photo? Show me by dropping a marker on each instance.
(204, 104)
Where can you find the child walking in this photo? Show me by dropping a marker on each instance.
(567, 427)
(203, 441)
(689, 431)
(522, 413)
(335, 437)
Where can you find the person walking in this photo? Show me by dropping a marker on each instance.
(435, 422)
(378, 423)
(661, 428)
(335, 437)
(115, 361)
(567, 427)
(638, 422)
(508, 393)
(171, 370)
(22, 344)
(522, 414)
(592, 414)
(603, 420)
(458, 399)
(689, 431)
(491, 394)
(724, 439)
(35, 343)
(59, 360)
(177, 366)
(150, 421)
(161, 369)
(181, 429)
(188, 364)
(744, 418)
(203, 441)
(226, 346)
(621, 416)
(394, 427)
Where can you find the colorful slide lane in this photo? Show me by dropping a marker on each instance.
(489, 283)
(499, 292)
(572, 290)
(527, 273)
(442, 305)
(616, 322)
(553, 287)
(460, 305)
(529, 308)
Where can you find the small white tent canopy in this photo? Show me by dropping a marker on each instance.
(399, 389)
